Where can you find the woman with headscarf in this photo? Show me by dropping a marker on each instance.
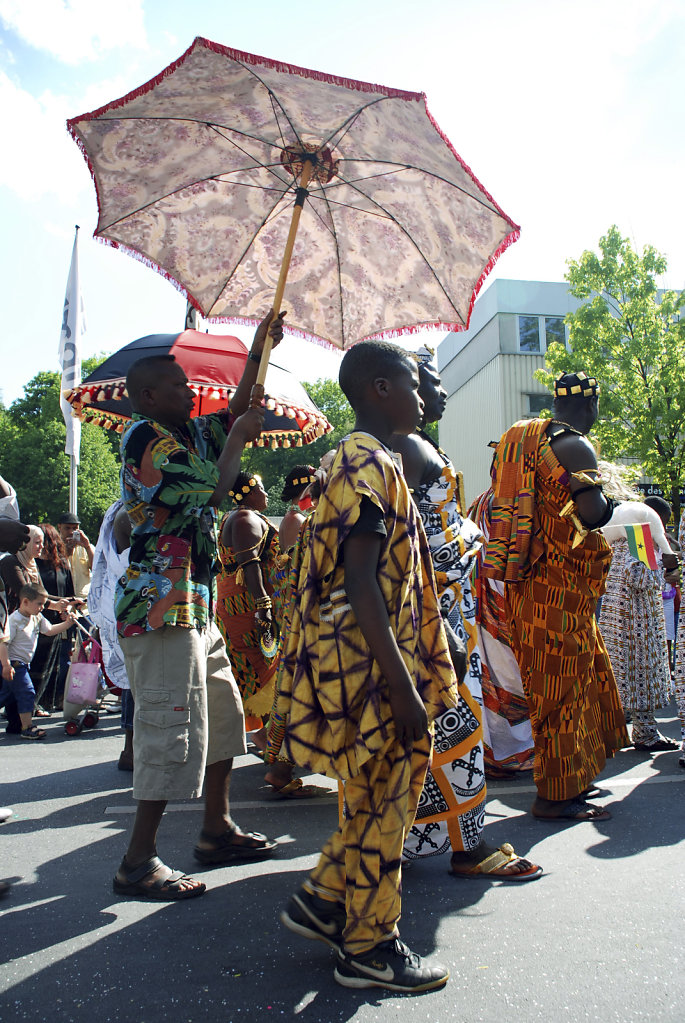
(249, 611)
(295, 492)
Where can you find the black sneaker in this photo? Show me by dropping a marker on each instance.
(389, 965)
(314, 917)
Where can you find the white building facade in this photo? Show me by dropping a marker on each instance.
(488, 370)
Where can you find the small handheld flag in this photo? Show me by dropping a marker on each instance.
(640, 544)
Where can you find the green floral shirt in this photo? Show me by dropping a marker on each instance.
(166, 480)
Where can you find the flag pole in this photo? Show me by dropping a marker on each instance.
(70, 362)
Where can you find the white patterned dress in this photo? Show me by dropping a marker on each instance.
(633, 626)
(451, 811)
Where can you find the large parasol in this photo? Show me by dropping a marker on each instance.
(214, 365)
(203, 173)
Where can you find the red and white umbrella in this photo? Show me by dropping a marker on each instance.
(214, 365)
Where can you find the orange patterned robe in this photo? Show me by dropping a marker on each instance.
(551, 593)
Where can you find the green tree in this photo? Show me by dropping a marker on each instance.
(630, 336)
(273, 465)
(32, 437)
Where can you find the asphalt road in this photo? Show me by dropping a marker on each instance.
(598, 937)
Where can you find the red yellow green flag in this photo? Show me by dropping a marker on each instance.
(640, 544)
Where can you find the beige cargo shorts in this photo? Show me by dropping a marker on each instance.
(188, 711)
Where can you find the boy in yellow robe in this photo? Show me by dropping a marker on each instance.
(365, 670)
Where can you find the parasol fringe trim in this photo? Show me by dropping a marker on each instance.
(468, 170)
(246, 58)
(114, 244)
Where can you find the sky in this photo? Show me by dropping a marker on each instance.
(569, 112)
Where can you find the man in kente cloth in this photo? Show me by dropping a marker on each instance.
(546, 547)
(367, 667)
(451, 813)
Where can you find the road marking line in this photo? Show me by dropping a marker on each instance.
(493, 790)
(276, 804)
(608, 783)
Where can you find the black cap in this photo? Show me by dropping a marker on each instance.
(68, 519)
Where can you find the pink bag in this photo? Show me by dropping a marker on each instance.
(83, 678)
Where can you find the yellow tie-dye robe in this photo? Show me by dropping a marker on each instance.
(338, 711)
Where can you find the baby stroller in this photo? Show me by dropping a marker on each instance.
(85, 686)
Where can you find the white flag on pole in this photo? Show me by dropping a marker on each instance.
(73, 326)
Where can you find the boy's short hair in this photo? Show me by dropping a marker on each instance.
(32, 591)
(365, 362)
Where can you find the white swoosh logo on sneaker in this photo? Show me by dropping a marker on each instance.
(387, 973)
(330, 928)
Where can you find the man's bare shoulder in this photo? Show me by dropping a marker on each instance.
(415, 452)
(574, 451)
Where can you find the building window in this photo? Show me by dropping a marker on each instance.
(529, 334)
(554, 330)
(537, 403)
(537, 332)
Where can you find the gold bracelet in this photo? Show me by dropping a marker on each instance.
(263, 603)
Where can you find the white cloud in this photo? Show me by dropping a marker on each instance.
(76, 30)
(40, 158)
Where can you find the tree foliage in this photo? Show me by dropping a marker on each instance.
(630, 336)
(32, 437)
(273, 465)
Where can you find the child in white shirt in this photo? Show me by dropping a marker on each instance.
(17, 647)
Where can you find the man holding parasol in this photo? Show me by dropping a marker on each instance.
(188, 721)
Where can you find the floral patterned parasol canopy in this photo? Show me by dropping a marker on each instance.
(197, 173)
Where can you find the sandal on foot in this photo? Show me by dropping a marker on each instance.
(33, 733)
(502, 857)
(660, 746)
(591, 792)
(166, 889)
(233, 847)
(296, 789)
(575, 812)
(499, 773)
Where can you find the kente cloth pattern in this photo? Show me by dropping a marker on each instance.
(679, 672)
(551, 594)
(507, 734)
(166, 480)
(194, 175)
(235, 608)
(451, 810)
(339, 712)
(633, 627)
(361, 863)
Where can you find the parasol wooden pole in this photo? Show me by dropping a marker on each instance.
(301, 195)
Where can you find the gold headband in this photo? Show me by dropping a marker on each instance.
(240, 495)
(586, 387)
